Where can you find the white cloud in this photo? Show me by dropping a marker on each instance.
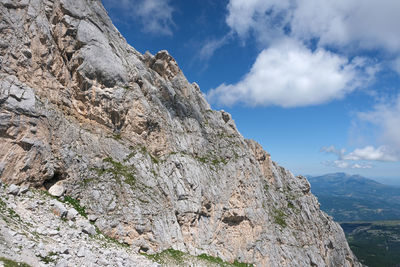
(209, 47)
(361, 166)
(346, 165)
(368, 153)
(334, 150)
(386, 117)
(365, 24)
(396, 65)
(381, 153)
(154, 15)
(288, 74)
(265, 18)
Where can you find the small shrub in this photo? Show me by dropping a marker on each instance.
(49, 258)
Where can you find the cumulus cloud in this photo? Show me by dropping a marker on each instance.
(155, 16)
(371, 153)
(381, 153)
(365, 24)
(288, 74)
(346, 165)
(266, 19)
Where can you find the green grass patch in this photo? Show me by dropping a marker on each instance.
(167, 255)
(214, 161)
(11, 263)
(212, 259)
(202, 159)
(13, 214)
(179, 258)
(241, 264)
(2, 204)
(131, 155)
(77, 205)
(279, 218)
(117, 136)
(87, 181)
(154, 159)
(223, 135)
(119, 170)
(8, 211)
(49, 258)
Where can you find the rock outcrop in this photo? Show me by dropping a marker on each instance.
(85, 114)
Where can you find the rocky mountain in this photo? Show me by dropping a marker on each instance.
(125, 137)
(356, 198)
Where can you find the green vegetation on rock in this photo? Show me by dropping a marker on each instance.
(172, 257)
(10, 263)
(118, 170)
(77, 205)
(49, 258)
(212, 160)
(279, 217)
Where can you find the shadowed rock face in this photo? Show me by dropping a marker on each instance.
(130, 137)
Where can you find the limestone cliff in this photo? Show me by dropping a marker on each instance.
(140, 147)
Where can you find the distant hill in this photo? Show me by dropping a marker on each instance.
(356, 198)
(376, 244)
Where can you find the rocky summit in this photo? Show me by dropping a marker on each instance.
(111, 157)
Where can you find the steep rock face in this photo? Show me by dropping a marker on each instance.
(141, 148)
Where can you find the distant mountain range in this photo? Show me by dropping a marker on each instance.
(355, 198)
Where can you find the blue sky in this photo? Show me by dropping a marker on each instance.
(315, 82)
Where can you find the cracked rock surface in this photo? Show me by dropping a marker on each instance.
(84, 115)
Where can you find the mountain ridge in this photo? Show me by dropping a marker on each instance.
(356, 198)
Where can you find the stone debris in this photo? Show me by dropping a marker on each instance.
(42, 238)
(59, 209)
(13, 189)
(57, 189)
